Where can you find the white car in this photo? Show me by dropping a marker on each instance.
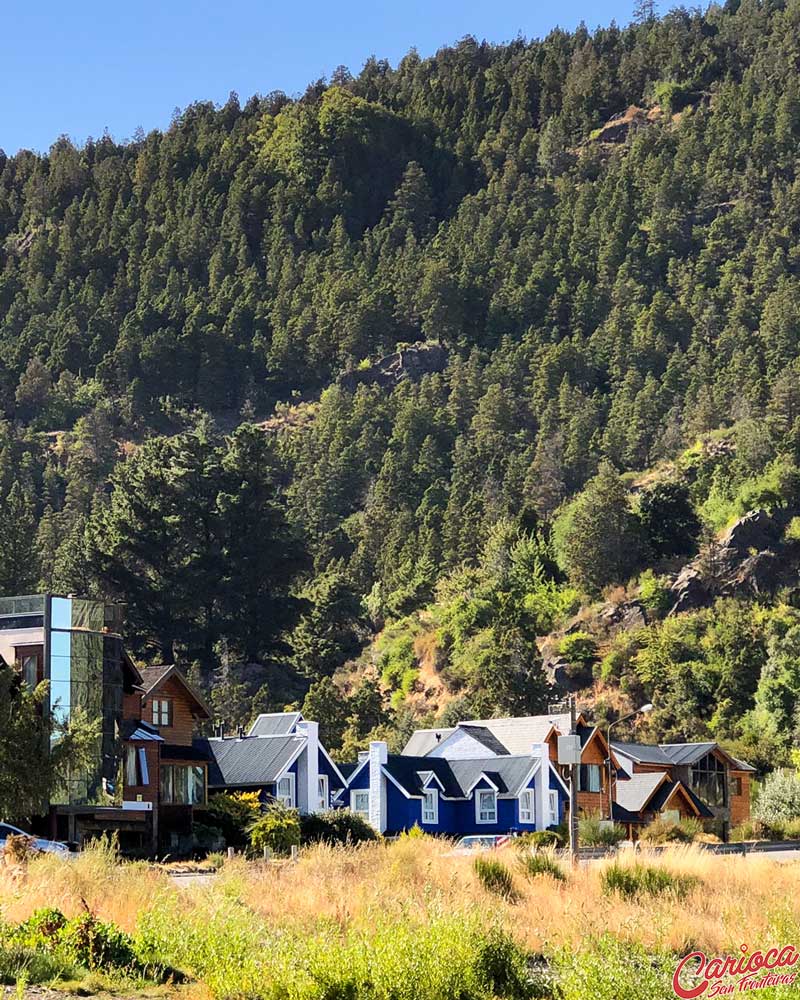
(48, 846)
(481, 842)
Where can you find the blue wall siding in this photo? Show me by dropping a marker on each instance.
(334, 781)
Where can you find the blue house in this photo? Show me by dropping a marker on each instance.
(514, 793)
(281, 758)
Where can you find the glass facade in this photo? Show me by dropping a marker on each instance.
(85, 670)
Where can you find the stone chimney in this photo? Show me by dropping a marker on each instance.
(308, 768)
(378, 756)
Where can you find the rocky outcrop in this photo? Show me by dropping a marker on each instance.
(407, 363)
(751, 559)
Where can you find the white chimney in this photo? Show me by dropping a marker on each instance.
(308, 768)
(378, 756)
(541, 787)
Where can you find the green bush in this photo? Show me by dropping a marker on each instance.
(336, 826)
(632, 881)
(654, 593)
(607, 968)
(278, 829)
(578, 647)
(95, 945)
(233, 814)
(778, 798)
(541, 838)
(494, 876)
(596, 832)
(662, 831)
(533, 863)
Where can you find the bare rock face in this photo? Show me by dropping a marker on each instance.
(623, 617)
(566, 676)
(407, 363)
(689, 590)
(757, 530)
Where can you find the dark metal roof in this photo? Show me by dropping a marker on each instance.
(642, 753)
(458, 777)
(249, 761)
(687, 753)
(135, 729)
(275, 724)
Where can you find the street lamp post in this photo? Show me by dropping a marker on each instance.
(639, 711)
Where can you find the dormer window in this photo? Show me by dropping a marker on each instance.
(430, 806)
(486, 806)
(162, 712)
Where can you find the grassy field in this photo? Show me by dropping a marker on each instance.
(407, 920)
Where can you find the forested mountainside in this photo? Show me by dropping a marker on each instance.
(355, 398)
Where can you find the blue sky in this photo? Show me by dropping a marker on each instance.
(81, 67)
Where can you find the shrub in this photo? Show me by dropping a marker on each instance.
(579, 647)
(596, 832)
(607, 968)
(336, 826)
(278, 829)
(663, 831)
(631, 881)
(96, 945)
(541, 838)
(19, 849)
(778, 798)
(541, 863)
(494, 876)
(749, 830)
(654, 592)
(233, 814)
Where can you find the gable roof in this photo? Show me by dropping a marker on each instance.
(422, 741)
(275, 723)
(485, 737)
(519, 734)
(642, 753)
(650, 791)
(136, 729)
(458, 778)
(691, 753)
(249, 761)
(154, 677)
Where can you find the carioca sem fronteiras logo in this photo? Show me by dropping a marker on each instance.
(725, 975)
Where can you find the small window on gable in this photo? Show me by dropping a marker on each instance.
(430, 806)
(553, 802)
(526, 806)
(162, 712)
(486, 806)
(323, 793)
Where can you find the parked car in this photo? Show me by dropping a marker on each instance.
(48, 846)
(481, 842)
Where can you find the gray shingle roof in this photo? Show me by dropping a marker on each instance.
(250, 761)
(275, 723)
(422, 741)
(485, 737)
(634, 793)
(518, 735)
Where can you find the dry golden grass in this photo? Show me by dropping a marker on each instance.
(418, 878)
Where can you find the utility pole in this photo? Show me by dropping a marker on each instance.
(573, 789)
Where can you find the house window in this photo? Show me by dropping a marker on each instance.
(486, 806)
(589, 778)
(553, 802)
(284, 791)
(526, 806)
(323, 796)
(183, 785)
(162, 712)
(137, 773)
(30, 667)
(430, 806)
(708, 780)
(736, 786)
(359, 802)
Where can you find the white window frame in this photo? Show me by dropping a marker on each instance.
(355, 794)
(286, 798)
(430, 807)
(161, 712)
(552, 798)
(479, 810)
(323, 792)
(526, 806)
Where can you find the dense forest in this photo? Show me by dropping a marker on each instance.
(355, 398)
